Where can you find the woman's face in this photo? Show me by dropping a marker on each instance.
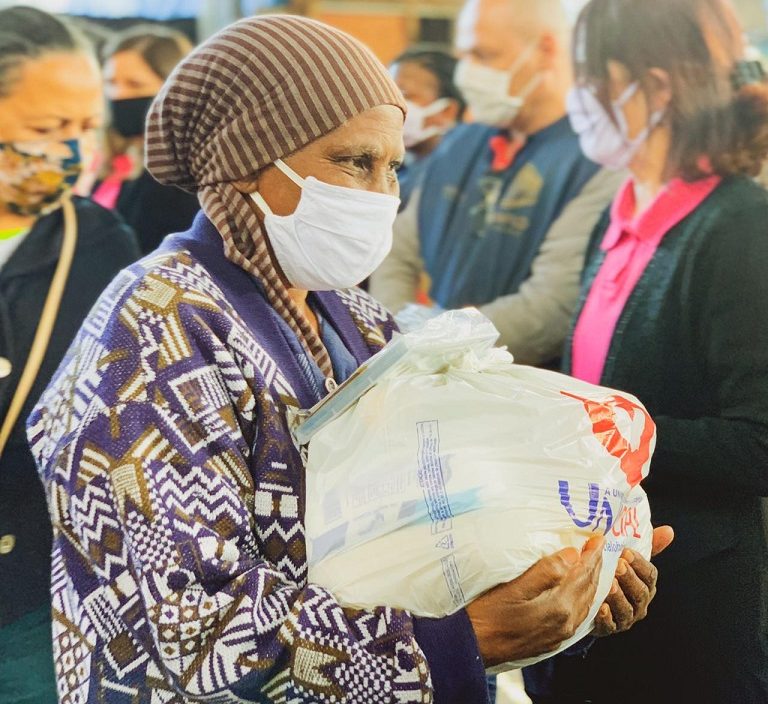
(417, 84)
(54, 102)
(363, 153)
(127, 75)
(55, 98)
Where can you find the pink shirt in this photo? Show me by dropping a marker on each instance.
(630, 243)
(108, 192)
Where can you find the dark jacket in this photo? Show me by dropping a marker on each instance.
(105, 245)
(692, 344)
(154, 210)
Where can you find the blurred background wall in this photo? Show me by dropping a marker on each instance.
(388, 26)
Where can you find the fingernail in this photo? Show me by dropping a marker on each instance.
(622, 567)
(628, 555)
(614, 587)
(604, 610)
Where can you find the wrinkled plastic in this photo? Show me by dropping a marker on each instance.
(423, 351)
(415, 315)
(451, 470)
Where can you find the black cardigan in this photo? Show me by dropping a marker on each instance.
(692, 344)
(154, 210)
(105, 246)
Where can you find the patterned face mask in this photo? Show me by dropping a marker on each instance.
(35, 175)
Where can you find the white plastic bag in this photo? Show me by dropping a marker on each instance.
(415, 315)
(443, 469)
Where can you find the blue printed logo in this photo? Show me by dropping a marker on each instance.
(599, 511)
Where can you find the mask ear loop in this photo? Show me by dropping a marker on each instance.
(653, 122)
(627, 95)
(533, 84)
(261, 204)
(528, 52)
(290, 173)
(436, 107)
(656, 118)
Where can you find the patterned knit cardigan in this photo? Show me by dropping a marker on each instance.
(177, 496)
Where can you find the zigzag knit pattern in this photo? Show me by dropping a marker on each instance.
(179, 564)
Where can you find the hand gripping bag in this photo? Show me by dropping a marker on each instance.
(442, 469)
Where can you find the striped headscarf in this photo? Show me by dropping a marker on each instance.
(258, 91)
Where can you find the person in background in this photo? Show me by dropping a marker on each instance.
(753, 53)
(435, 106)
(674, 311)
(91, 144)
(136, 63)
(165, 438)
(506, 206)
(56, 257)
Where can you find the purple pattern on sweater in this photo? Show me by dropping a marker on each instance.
(179, 566)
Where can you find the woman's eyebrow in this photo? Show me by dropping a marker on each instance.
(359, 150)
(47, 121)
(47, 118)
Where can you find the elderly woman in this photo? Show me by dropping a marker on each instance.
(177, 493)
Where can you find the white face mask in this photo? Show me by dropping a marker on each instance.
(414, 130)
(602, 140)
(337, 236)
(486, 90)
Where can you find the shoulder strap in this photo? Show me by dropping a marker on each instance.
(45, 326)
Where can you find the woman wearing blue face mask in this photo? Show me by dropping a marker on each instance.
(674, 310)
(56, 255)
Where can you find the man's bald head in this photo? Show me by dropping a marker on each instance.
(526, 40)
(498, 21)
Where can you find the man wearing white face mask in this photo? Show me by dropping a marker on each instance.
(435, 105)
(505, 208)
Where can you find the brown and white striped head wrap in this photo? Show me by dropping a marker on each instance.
(256, 92)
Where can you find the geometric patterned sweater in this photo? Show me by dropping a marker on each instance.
(177, 497)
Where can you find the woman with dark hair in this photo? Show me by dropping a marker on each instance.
(674, 310)
(435, 105)
(56, 256)
(136, 64)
